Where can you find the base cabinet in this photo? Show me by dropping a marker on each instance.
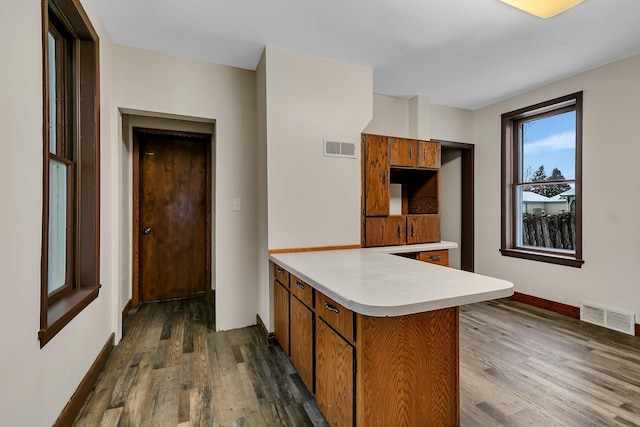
(334, 376)
(370, 371)
(408, 370)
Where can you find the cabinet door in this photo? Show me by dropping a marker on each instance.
(302, 341)
(376, 176)
(334, 376)
(423, 229)
(403, 152)
(281, 315)
(440, 257)
(428, 154)
(386, 231)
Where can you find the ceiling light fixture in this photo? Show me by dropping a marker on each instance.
(543, 8)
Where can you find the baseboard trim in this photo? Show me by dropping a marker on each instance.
(125, 310)
(556, 307)
(313, 249)
(79, 397)
(269, 338)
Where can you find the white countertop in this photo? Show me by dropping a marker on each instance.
(415, 248)
(375, 283)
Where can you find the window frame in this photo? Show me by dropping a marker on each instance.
(78, 147)
(511, 168)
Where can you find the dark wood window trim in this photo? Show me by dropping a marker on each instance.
(510, 168)
(78, 147)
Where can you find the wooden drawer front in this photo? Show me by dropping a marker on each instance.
(340, 318)
(403, 152)
(281, 275)
(435, 257)
(429, 154)
(302, 290)
(386, 231)
(423, 229)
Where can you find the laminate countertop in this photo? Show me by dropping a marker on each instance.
(375, 283)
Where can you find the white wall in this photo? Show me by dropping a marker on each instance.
(611, 234)
(309, 200)
(451, 203)
(313, 200)
(390, 116)
(157, 83)
(265, 274)
(37, 383)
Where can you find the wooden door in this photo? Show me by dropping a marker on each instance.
(174, 211)
(334, 376)
(428, 154)
(376, 176)
(423, 229)
(403, 152)
(302, 341)
(387, 231)
(281, 315)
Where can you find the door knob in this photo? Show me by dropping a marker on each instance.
(147, 230)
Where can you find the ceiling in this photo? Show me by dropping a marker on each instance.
(461, 53)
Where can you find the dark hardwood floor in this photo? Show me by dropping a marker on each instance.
(519, 366)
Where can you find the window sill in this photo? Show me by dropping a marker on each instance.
(559, 259)
(64, 310)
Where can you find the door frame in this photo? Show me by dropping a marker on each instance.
(204, 138)
(467, 217)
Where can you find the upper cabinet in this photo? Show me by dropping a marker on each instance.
(376, 175)
(428, 154)
(414, 214)
(403, 152)
(411, 153)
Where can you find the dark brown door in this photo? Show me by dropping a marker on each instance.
(173, 225)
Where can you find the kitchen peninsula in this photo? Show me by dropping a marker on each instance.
(375, 336)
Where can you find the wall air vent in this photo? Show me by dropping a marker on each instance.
(608, 318)
(339, 149)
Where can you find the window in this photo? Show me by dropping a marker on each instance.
(71, 188)
(541, 182)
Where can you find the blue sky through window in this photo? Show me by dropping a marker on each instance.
(551, 142)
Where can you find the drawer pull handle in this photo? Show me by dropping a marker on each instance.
(413, 231)
(399, 231)
(331, 307)
(424, 154)
(434, 257)
(279, 270)
(300, 285)
(384, 178)
(410, 152)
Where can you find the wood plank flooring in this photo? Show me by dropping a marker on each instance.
(524, 366)
(173, 369)
(519, 366)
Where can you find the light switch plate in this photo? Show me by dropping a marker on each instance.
(236, 203)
